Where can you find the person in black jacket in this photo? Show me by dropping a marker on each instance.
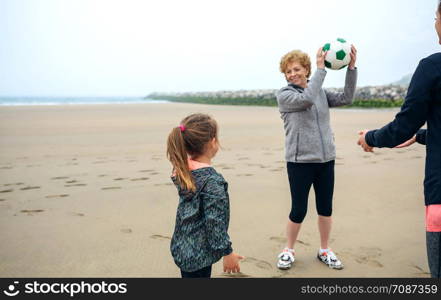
(422, 104)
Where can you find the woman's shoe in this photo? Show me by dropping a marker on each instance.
(286, 259)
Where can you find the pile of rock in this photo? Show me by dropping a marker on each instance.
(388, 92)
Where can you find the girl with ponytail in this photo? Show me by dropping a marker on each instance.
(201, 235)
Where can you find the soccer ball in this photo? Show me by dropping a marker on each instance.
(338, 54)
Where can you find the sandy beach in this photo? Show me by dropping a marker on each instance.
(85, 192)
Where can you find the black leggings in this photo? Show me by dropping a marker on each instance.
(301, 176)
(202, 273)
(433, 241)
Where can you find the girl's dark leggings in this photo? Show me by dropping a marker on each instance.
(433, 242)
(301, 176)
(202, 273)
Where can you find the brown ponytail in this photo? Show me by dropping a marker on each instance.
(190, 138)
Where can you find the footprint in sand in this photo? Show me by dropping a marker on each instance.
(59, 177)
(243, 158)
(241, 175)
(57, 196)
(121, 178)
(9, 184)
(366, 256)
(30, 188)
(111, 188)
(388, 158)
(139, 179)
(126, 230)
(261, 264)
(416, 157)
(339, 164)
(160, 237)
(258, 165)
(282, 240)
(373, 162)
(159, 184)
(5, 168)
(152, 172)
(76, 214)
(421, 271)
(71, 181)
(277, 169)
(278, 239)
(30, 212)
(227, 168)
(75, 184)
(103, 175)
(7, 191)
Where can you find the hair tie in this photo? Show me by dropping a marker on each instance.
(182, 127)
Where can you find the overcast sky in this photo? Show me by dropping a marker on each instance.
(132, 48)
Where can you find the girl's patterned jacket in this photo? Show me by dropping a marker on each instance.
(200, 238)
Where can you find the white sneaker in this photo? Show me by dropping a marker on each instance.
(286, 259)
(330, 259)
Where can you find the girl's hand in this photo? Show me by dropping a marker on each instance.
(231, 263)
(353, 55)
(321, 58)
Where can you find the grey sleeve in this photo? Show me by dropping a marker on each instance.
(339, 99)
(290, 100)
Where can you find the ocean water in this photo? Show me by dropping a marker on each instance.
(14, 101)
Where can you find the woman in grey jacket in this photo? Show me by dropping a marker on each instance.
(309, 145)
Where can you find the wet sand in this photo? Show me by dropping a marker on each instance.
(85, 192)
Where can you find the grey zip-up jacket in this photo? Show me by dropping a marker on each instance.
(305, 113)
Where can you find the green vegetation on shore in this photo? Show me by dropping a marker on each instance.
(372, 103)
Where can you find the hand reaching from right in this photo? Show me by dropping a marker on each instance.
(407, 143)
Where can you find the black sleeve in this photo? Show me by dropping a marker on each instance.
(413, 113)
(421, 136)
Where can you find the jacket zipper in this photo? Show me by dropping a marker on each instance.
(320, 132)
(297, 145)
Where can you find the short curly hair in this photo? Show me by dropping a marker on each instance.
(296, 56)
